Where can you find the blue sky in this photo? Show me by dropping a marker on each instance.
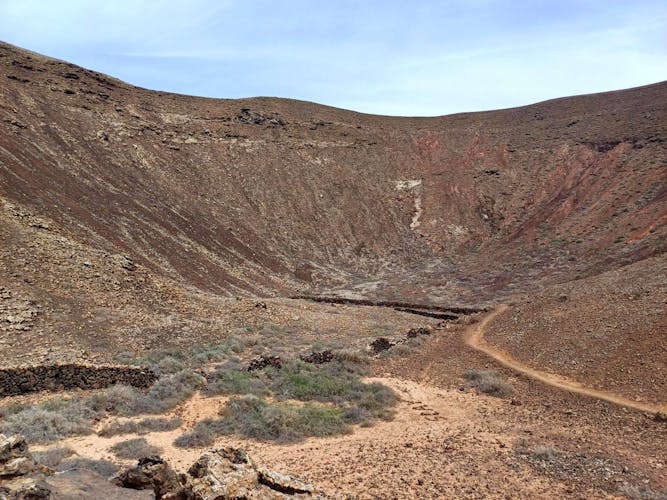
(388, 57)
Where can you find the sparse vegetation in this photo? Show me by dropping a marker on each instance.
(333, 393)
(253, 417)
(403, 348)
(58, 418)
(352, 356)
(488, 382)
(231, 381)
(167, 392)
(48, 421)
(202, 434)
(641, 493)
(140, 427)
(134, 448)
(52, 457)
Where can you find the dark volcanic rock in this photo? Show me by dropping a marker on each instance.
(23, 380)
(317, 358)
(414, 332)
(155, 474)
(381, 344)
(264, 361)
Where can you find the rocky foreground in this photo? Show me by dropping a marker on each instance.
(218, 474)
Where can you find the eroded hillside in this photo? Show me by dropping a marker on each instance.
(273, 196)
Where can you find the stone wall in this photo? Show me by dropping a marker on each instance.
(22, 380)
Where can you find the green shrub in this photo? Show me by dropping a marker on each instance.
(352, 356)
(202, 434)
(230, 381)
(49, 421)
(252, 417)
(169, 365)
(333, 382)
(117, 399)
(334, 396)
(167, 393)
(134, 448)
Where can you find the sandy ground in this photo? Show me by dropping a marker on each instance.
(448, 442)
(442, 443)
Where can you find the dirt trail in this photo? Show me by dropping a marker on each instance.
(475, 339)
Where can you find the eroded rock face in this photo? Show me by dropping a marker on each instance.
(20, 476)
(223, 473)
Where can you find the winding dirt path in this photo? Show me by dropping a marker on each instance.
(474, 337)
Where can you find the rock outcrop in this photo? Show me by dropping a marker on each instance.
(225, 473)
(20, 476)
(153, 473)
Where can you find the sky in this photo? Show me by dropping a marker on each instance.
(391, 57)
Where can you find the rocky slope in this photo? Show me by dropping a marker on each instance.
(131, 219)
(607, 332)
(271, 195)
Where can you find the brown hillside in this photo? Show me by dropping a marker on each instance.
(271, 195)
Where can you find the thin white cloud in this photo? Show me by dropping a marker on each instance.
(389, 57)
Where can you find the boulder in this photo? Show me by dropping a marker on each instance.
(381, 344)
(83, 484)
(20, 477)
(224, 473)
(12, 447)
(152, 473)
(283, 483)
(15, 460)
(25, 488)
